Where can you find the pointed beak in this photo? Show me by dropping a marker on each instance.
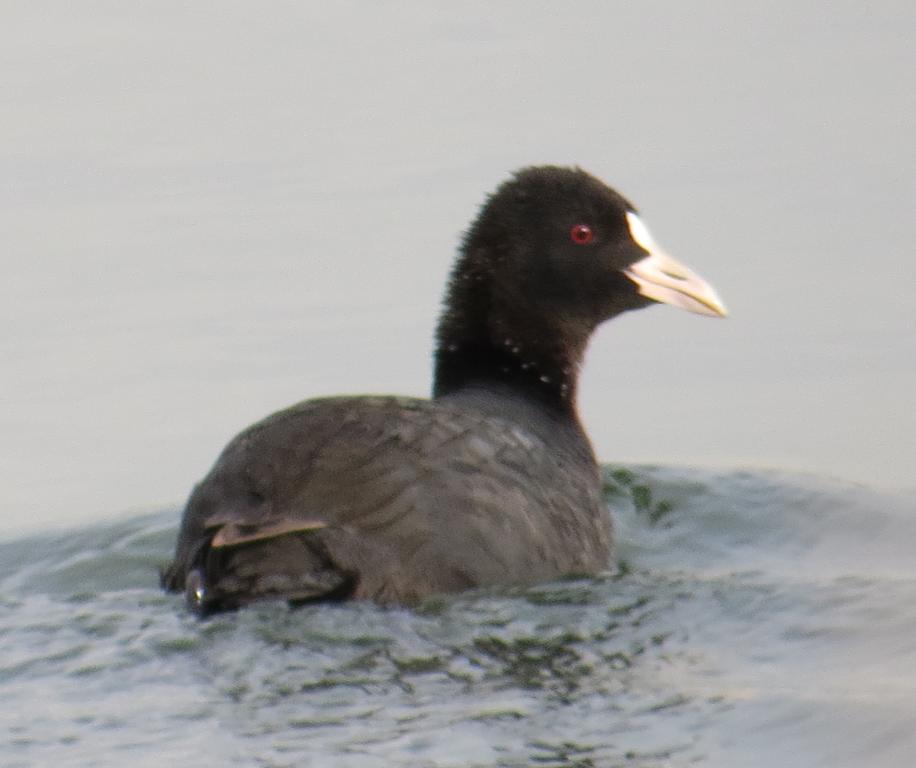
(663, 279)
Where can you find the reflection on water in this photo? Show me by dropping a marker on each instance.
(736, 634)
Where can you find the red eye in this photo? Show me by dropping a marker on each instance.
(581, 234)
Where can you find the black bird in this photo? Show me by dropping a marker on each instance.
(492, 481)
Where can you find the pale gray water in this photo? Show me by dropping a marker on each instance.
(211, 211)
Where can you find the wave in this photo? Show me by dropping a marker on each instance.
(755, 618)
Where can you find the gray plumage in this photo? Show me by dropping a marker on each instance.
(398, 498)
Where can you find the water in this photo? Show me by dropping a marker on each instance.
(756, 619)
(211, 211)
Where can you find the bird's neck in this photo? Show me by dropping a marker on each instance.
(538, 363)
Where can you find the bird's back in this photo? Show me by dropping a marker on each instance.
(393, 499)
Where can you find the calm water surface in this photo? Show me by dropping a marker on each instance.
(211, 212)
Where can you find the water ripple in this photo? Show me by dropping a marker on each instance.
(741, 624)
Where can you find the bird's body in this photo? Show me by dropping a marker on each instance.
(403, 497)
(491, 482)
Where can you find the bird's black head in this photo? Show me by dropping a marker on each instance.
(555, 243)
(553, 253)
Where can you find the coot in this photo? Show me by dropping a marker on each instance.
(492, 481)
